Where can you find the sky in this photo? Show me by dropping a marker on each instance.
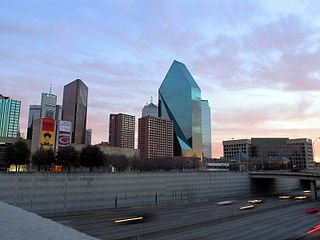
(257, 62)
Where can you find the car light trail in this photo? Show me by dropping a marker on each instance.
(247, 207)
(284, 197)
(316, 228)
(255, 201)
(128, 219)
(300, 197)
(224, 203)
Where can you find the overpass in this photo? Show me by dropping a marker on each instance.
(312, 177)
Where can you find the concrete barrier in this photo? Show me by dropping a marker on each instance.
(46, 193)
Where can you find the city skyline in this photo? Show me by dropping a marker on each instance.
(257, 63)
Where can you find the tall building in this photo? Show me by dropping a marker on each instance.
(75, 99)
(180, 101)
(9, 117)
(155, 137)
(88, 136)
(150, 109)
(206, 129)
(299, 151)
(48, 105)
(58, 116)
(121, 130)
(34, 113)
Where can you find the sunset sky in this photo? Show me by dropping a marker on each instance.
(257, 62)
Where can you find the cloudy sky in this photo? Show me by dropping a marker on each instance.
(257, 62)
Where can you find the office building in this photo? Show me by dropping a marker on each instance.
(58, 116)
(155, 137)
(206, 129)
(48, 105)
(121, 130)
(88, 136)
(34, 113)
(75, 99)
(150, 110)
(180, 101)
(233, 147)
(9, 117)
(299, 151)
(302, 153)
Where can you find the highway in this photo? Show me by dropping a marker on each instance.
(272, 219)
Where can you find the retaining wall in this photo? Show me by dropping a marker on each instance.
(51, 193)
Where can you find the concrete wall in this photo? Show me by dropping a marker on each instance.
(51, 193)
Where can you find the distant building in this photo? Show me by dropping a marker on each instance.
(48, 105)
(206, 129)
(88, 136)
(9, 117)
(121, 130)
(180, 101)
(34, 113)
(233, 147)
(111, 150)
(299, 151)
(150, 110)
(58, 115)
(302, 153)
(75, 99)
(155, 137)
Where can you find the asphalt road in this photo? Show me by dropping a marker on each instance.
(273, 219)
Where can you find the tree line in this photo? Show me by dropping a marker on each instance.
(91, 157)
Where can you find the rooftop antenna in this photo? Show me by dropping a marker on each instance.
(50, 88)
(151, 99)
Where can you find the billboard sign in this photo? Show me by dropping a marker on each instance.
(64, 134)
(47, 133)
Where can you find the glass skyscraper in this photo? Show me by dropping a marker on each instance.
(34, 113)
(150, 110)
(9, 117)
(206, 129)
(180, 101)
(75, 99)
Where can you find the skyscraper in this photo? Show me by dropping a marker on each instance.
(75, 99)
(48, 105)
(150, 109)
(58, 116)
(34, 113)
(206, 129)
(88, 136)
(180, 101)
(155, 137)
(121, 130)
(9, 117)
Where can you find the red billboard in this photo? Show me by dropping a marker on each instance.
(47, 133)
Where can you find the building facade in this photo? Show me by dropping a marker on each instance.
(155, 137)
(206, 129)
(48, 105)
(58, 116)
(34, 113)
(299, 151)
(180, 101)
(9, 117)
(150, 110)
(75, 100)
(88, 136)
(233, 147)
(121, 130)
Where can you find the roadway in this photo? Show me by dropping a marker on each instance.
(197, 220)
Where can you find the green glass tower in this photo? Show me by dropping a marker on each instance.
(180, 101)
(9, 117)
